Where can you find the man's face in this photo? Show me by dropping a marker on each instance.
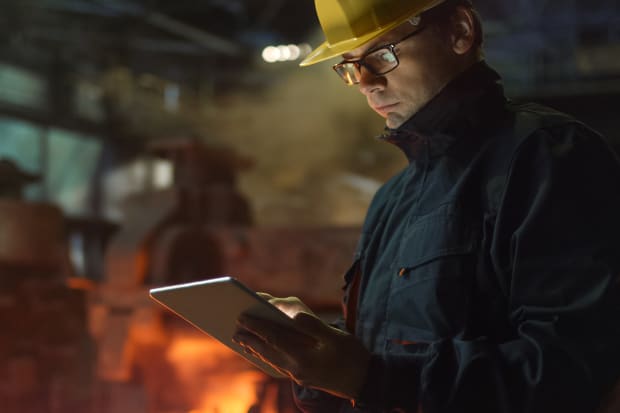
(427, 63)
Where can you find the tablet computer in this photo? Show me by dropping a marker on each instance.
(214, 305)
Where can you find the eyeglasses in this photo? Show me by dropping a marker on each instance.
(378, 61)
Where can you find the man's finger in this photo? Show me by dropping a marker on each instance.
(280, 336)
(265, 296)
(311, 324)
(264, 351)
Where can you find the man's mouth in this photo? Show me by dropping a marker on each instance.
(384, 109)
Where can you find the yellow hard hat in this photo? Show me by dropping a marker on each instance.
(349, 24)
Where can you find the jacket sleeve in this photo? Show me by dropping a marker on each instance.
(315, 401)
(556, 253)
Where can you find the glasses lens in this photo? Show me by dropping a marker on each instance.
(349, 72)
(378, 62)
(381, 61)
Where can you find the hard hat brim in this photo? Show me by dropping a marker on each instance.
(327, 51)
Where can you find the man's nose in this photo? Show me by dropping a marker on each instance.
(370, 83)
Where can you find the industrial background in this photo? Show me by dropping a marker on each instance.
(150, 142)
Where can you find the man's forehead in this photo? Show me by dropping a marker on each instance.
(386, 38)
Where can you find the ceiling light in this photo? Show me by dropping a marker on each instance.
(282, 53)
(271, 54)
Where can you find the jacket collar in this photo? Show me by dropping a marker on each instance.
(465, 105)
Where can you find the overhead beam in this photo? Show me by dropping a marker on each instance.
(198, 36)
(134, 42)
(77, 6)
(166, 23)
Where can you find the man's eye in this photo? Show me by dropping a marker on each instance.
(387, 57)
(380, 58)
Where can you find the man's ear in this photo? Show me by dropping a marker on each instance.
(463, 30)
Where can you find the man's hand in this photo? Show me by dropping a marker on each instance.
(312, 354)
(290, 306)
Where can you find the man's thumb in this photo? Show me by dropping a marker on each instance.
(310, 323)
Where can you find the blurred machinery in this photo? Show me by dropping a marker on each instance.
(46, 354)
(151, 361)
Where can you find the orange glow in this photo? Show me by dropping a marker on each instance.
(231, 394)
(214, 378)
(80, 283)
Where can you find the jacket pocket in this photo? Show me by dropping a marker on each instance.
(433, 276)
(443, 233)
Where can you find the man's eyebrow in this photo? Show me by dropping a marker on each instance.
(349, 56)
(372, 45)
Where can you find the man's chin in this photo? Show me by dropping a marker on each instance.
(393, 121)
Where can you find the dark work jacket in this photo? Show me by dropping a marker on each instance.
(488, 269)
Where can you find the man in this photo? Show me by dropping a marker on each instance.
(487, 275)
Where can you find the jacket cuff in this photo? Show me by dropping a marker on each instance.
(315, 401)
(392, 381)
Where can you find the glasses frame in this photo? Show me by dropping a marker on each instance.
(359, 63)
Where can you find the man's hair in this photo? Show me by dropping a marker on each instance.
(442, 14)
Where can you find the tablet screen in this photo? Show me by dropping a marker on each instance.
(214, 306)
